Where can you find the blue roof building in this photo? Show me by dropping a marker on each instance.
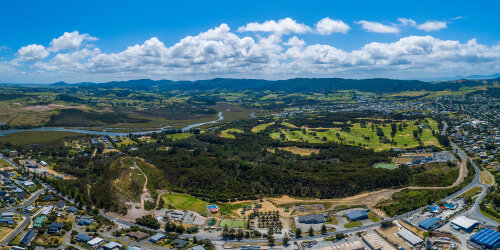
(28, 237)
(81, 237)
(312, 219)
(357, 215)
(73, 209)
(429, 223)
(487, 238)
(157, 237)
(85, 222)
(7, 221)
(434, 209)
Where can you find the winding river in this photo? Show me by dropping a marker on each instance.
(105, 130)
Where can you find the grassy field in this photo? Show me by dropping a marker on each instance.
(373, 217)
(125, 141)
(4, 164)
(131, 181)
(185, 202)
(389, 166)
(179, 136)
(36, 137)
(363, 135)
(472, 192)
(261, 127)
(352, 224)
(486, 178)
(229, 133)
(232, 223)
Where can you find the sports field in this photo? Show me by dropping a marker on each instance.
(232, 223)
(185, 202)
(389, 166)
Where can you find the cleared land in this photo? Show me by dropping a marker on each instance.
(179, 136)
(300, 151)
(389, 166)
(185, 202)
(36, 137)
(352, 224)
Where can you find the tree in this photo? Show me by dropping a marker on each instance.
(270, 240)
(285, 240)
(240, 234)
(323, 229)
(298, 232)
(310, 231)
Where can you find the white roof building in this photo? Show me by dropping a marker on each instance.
(409, 237)
(465, 223)
(95, 242)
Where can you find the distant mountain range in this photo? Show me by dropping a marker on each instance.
(376, 85)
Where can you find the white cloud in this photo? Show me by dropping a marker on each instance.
(378, 27)
(432, 26)
(407, 21)
(69, 41)
(32, 52)
(295, 41)
(283, 26)
(218, 52)
(327, 26)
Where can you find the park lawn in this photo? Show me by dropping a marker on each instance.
(471, 192)
(179, 136)
(229, 133)
(353, 224)
(373, 217)
(261, 127)
(185, 202)
(37, 137)
(232, 223)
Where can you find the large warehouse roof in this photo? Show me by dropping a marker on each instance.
(375, 241)
(410, 237)
(428, 223)
(357, 215)
(464, 222)
(486, 237)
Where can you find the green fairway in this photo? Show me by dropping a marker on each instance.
(363, 135)
(36, 137)
(389, 166)
(185, 202)
(229, 133)
(261, 127)
(232, 223)
(179, 136)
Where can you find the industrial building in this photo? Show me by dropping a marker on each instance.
(357, 215)
(352, 245)
(375, 241)
(410, 237)
(464, 223)
(429, 223)
(486, 238)
(312, 219)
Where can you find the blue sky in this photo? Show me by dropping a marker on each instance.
(245, 39)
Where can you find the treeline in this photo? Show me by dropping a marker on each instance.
(76, 117)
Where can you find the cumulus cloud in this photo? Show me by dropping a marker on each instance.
(219, 52)
(432, 26)
(69, 41)
(407, 21)
(327, 26)
(32, 52)
(378, 27)
(283, 26)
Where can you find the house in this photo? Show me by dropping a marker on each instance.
(46, 210)
(60, 204)
(450, 206)
(43, 163)
(73, 209)
(312, 219)
(81, 237)
(138, 235)
(38, 221)
(27, 184)
(95, 242)
(157, 237)
(85, 222)
(464, 223)
(29, 209)
(30, 164)
(357, 215)
(55, 227)
(112, 245)
(180, 243)
(7, 215)
(7, 221)
(28, 237)
(198, 247)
